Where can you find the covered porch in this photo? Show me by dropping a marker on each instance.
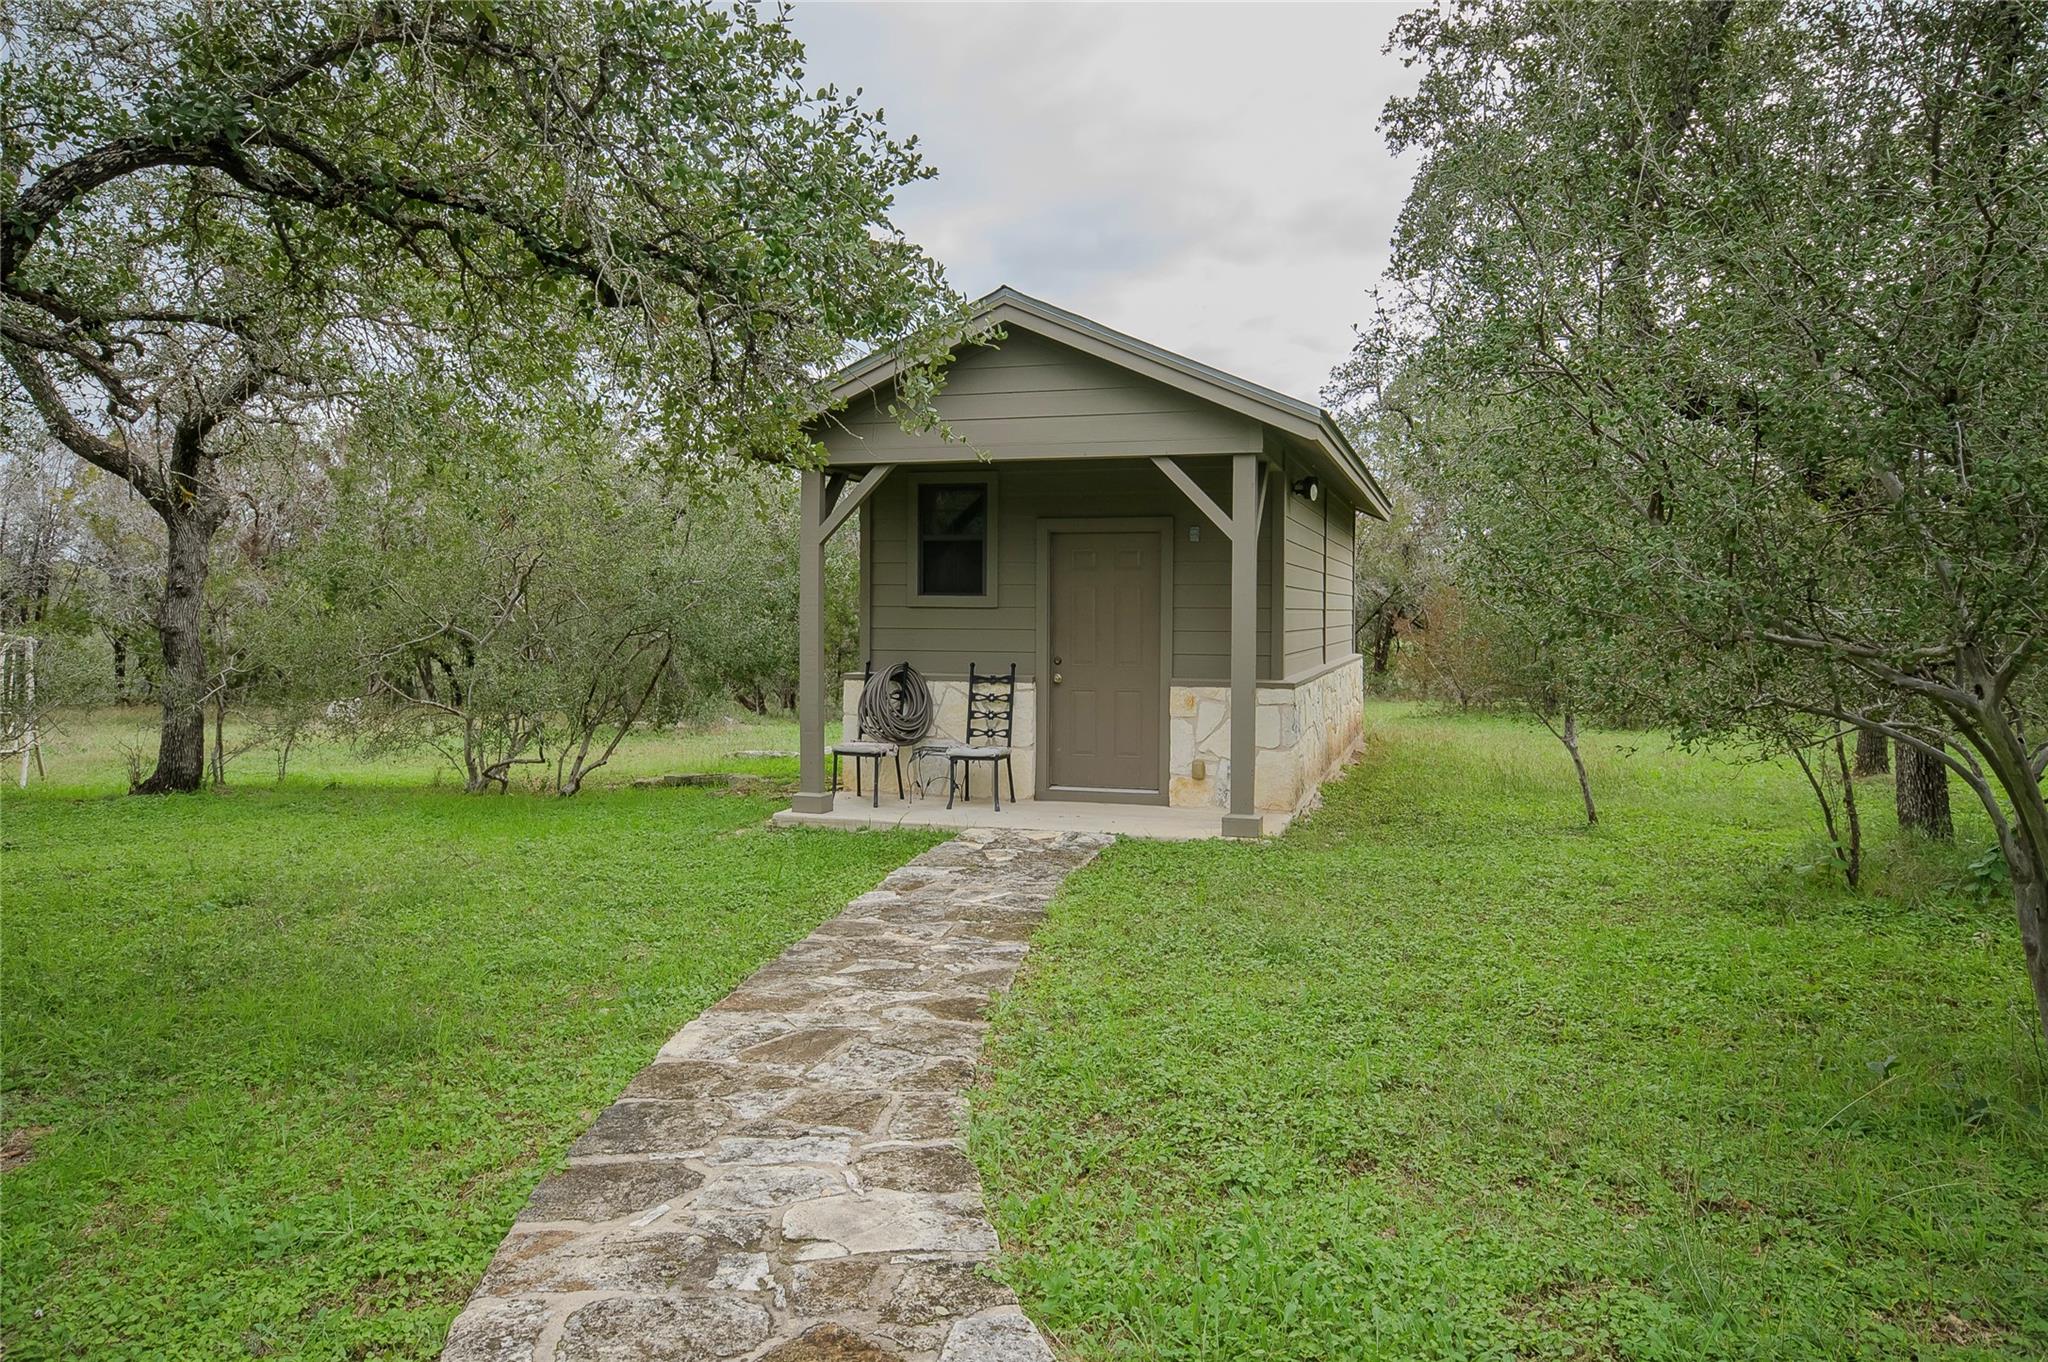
(1157, 822)
(831, 498)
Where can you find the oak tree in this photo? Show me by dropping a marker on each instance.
(228, 217)
(1719, 331)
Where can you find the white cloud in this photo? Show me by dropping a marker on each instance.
(1206, 177)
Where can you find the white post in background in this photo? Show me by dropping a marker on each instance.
(18, 729)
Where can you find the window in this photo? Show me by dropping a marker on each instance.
(954, 540)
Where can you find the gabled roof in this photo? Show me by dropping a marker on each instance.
(1304, 422)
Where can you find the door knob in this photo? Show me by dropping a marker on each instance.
(1057, 678)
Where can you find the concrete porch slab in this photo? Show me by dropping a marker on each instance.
(1026, 815)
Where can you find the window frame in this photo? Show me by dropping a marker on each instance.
(917, 594)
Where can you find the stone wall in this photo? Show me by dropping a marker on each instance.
(1305, 732)
(949, 724)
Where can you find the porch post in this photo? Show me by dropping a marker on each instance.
(813, 795)
(1243, 819)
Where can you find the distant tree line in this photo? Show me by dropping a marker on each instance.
(520, 598)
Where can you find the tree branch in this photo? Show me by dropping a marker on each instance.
(94, 449)
(31, 339)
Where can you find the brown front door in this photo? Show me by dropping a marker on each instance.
(1107, 700)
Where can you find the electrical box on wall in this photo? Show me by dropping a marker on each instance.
(1194, 534)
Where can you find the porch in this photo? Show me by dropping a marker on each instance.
(1159, 822)
(1130, 711)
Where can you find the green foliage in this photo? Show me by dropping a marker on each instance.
(1986, 879)
(282, 1090)
(1397, 567)
(747, 636)
(1443, 1073)
(1715, 333)
(522, 596)
(644, 202)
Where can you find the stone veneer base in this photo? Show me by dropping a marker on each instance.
(1307, 729)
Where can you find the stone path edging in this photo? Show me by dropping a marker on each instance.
(788, 1181)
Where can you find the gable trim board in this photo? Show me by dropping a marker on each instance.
(1006, 309)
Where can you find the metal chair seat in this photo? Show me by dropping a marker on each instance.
(861, 747)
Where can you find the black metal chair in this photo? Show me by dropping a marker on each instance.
(991, 700)
(863, 748)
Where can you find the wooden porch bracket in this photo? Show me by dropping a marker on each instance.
(838, 506)
(1179, 478)
(1206, 504)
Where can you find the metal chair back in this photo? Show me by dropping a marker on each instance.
(991, 703)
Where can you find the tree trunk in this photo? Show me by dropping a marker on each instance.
(1922, 784)
(1571, 745)
(627, 718)
(1853, 867)
(1873, 753)
(1568, 734)
(1382, 645)
(2030, 905)
(181, 748)
(472, 758)
(220, 751)
(1982, 709)
(37, 608)
(1849, 855)
(120, 642)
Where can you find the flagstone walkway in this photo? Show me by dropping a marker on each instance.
(788, 1181)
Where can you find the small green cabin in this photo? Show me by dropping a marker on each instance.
(1156, 545)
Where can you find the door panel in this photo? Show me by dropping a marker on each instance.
(1106, 704)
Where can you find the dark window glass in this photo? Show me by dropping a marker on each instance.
(948, 511)
(952, 539)
(951, 567)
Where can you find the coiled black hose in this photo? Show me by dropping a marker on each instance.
(896, 706)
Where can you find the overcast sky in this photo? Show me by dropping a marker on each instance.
(1209, 178)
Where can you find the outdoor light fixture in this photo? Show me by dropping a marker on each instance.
(1308, 489)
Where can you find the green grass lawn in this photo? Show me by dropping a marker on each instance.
(1443, 1074)
(281, 1063)
(1439, 1074)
